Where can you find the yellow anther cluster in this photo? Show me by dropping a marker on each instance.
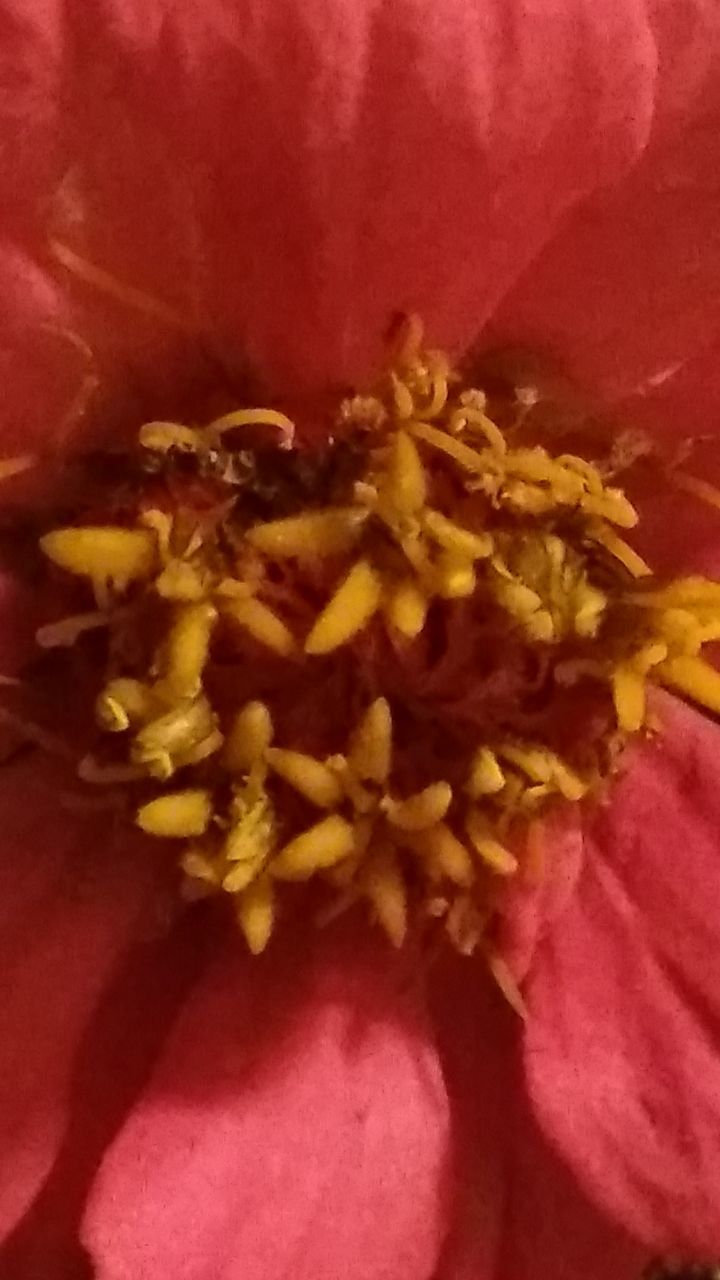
(451, 518)
(415, 852)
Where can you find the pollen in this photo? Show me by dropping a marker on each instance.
(360, 677)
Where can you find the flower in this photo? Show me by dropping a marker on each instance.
(183, 185)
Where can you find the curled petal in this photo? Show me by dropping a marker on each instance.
(518, 1213)
(622, 1043)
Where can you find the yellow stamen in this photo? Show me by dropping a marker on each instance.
(164, 743)
(252, 418)
(497, 857)
(452, 537)
(438, 396)
(383, 884)
(233, 589)
(477, 420)
(535, 762)
(629, 558)
(124, 702)
(536, 466)
(628, 687)
(199, 751)
(517, 598)
(305, 774)
(249, 737)
(180, 581)
(406, 608)
(316, 533)
(186, 650)
(454, 576)
(177, 814)
(468, 458)
(686, 593)
(163, 436)
(348, 611)
(445, 855)
(242, 874)
(694, 678)
(680, 629)
(371, 744)
(321, 846)
(262, 624)
(486, 776)
(649, 656)
(402, 398)
(407, 485)
(591, 606)
(250, 838)
(108, 553)
(421, 810)
(530, 538)
(612, 506)
(587, 472)
(256, 914)
(568, 783)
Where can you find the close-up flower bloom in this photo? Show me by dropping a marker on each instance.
(326, 952)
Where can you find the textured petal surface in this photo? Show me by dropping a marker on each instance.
(296, 1127)
(519, 1213)
(623, 1044)
(68, 912)
(286, 175)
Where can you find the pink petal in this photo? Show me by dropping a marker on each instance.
(519, 1213)
(629, 291)
(295, 1127)
(622, 1047)
(289, 177)
(70, 906)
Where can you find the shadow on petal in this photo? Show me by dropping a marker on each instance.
(295, 1125)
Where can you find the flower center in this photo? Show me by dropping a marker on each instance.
(375, 666)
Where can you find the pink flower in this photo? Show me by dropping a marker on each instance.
(282, 176)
